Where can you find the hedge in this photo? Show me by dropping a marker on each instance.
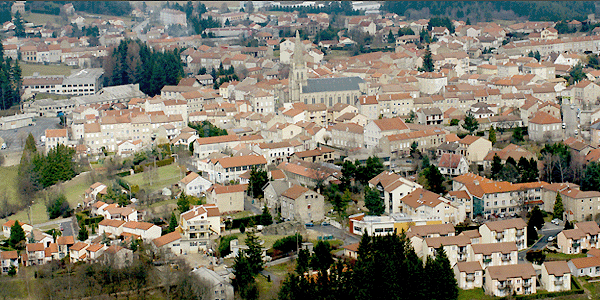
(159, 163)
(288, 243)
(237, 222)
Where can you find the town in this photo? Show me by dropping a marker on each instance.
(299, 150)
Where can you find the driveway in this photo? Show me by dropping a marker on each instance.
(570, 119)
(67, 225)
(547, 231)
(339, 234)
(15, 139)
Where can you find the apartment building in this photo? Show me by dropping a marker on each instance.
(494, 254)
(510, 230)
(556, 276)
(198, 225)
(501, 281)
(469, 275)
(392, 188)
(583, 237)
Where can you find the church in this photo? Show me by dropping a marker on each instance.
(321, 90)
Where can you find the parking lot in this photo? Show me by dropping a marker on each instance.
(15, 139)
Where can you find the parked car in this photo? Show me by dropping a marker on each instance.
(551, 238)
(324, 223)
(309, 224)
(555, 221)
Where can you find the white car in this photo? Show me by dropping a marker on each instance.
(551, 238)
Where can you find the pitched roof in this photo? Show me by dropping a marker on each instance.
(221, 189)
(502, 273)
(388, 124)
(421, 197)
(295, 191)
(79, 246)
(189, 178)
(167, 238)
(589, 227)
(111, 223)
(557, 268)
(138, 225)
(449, 160)
(458, 240)
(425, 230)
(500, 226)
(469, 267)
(586, 262)
(488, 249)
(541, 117)
(238, 161)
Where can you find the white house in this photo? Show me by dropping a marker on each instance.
(194, 184)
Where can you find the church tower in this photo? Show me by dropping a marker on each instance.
(299, 73)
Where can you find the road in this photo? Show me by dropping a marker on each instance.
(547, 231)
(570, 119)
(67, 225)
(12, 138)
(251, 207)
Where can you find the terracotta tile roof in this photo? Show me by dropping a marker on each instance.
(220, 189)
(449, 160)
(472, 234)
(138, 225)
(167, 238)
(79, 246)
(458, 240)
(111, 223)
(50, 133)
(557, 268)
(9, 254)
(500, 226)
(238, 161)
(589, 227)
(421, 197)
(586, 262)
(277, 174)
(189, 178)
(295, 191)
(425, 230)
(34, 247)
(65, 240)
(502, 273)
(541, 117)
(94, 247)
(390, 124)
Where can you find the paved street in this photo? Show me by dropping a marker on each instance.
(67, 225)
(547, 231)
(340, 234)
(570, 119)
(12, 138)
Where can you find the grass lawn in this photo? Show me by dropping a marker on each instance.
(74, 190)
(269, 239)
(163, 203)
(41, 19)
(38, 214)
(167, 176)
(473, 294)
(8, 184)
(562, 256)
(28, 69)
(241, 214)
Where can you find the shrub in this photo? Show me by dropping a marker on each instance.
(58, 206)
(288, 243)
(224, 249)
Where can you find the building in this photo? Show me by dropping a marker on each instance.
(392, 187)
(543, 127)
(453, 164)
(583, 237)
(6, 227)
(579, 205)
(424, 204)
(198, 226)
(229, 198)
(469, 275)
(83, 82)
(501, 281)
(17, 121)
(456, 247)
(230, 168)
(376, 129)
(556, 276)
(55, 137)
(299, 203)
(171, 16)
(194, 184)
(494, 254)
(510, 230)
(9, 259)
(170, 242)
(585, 266)
(219, 286)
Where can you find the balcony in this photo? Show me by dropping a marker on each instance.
(505, 257)
(499, 236)
(558, 282)
(520, 232)
(462, 258)
(576, 245)
(470, 277)
(487, 260)
(462, 250)
(502, 285)
(526, 283)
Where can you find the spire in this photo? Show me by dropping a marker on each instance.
(298, 49)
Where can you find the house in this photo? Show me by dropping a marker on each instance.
(194, 184)
(35, 254)
(474, 148)
(556, 276)
(348, 135)
(111, 227)
(301, 204)
(143, 230)
(510, 230)
(317, 155)
(94, 251)
(494, 254)
(309, 174)
(230, 168)
(117, 256)
(585, 92)
(376, 129)
(9, 259)
(430, 116)
(10, 223)
(120, 213)
(64, 243)
(454, 246)
(468, 274)
(424, 204)
(453, 164)
(579, 205)
(198, 225)
(392, 187)
(220, 286)
(77, 252)
(584, 236)
(228, 198)
(169, 242)
(501, 281)
(96, 189)
(351, 251)
(543, 127)
(585, 266)
(55, 137)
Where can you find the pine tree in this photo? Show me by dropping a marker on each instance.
(244, 277)
(17, 235)
(302, 261)
(492, 135)
(496, 166)
(321, 259)
(183, 203)
(83, 234)
(373, 202)
(427, 61)
(19, 26)
(390, 38)
(265, 217)
(434, 179)
(446, 286)
(559, 208)
(254, 252)
(470, 124)
(172, 223)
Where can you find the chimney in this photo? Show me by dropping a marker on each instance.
(421, 196)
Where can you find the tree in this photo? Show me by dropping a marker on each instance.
(559, 208)
(348, 173)
(434, 179)
(576, 73)
(254, 252)
(518, 135)
(244, 277)
(411, 117)
(265, 217)
(537, 218)
(496, 166)
(302, 261)
(427, 61)
(492, 135)
(183, 203)
(12, 271)
(339, 202)
(470, 124)
(443, 283)
(57, 207)
(258, 179)
(83, 234)
(172, 223)
(532, 235)
(509, 173)
(373, 202)
(391, 38)
(568, 225)
(591, 178)
(322, 259)
(242, 228)
(19, 26)
(454, 122)
(17, 235)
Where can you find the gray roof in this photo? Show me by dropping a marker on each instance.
(595, 126)
(317, 85)
(281, 186)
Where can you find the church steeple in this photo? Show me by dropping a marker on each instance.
(299, 73)
(298, 51)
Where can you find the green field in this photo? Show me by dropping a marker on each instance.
(473, 294)
(29, 68)
(167, 176)
(562, 256)
(8, 184)
(41, 19)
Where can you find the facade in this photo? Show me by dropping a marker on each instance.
(199, 225)
(230, 168)
(456, 247)
(17, 121)
(453, 164)
(377, 129)
(171, 16)
(469, 275)
(392, 187)
(583, 237)
(54, 137)
(556, 276)
(494, 254)
(194, 184)
(220, 286)
(170, 242)
(84, 82)
(510, 230)
(501, 281)
(544, 127)
(229, 198)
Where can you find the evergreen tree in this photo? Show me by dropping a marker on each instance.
(532, 235)
(536, 218)
(434, 179)
(373, 202)
(302, 261)
(83, 234)
(242, 228)
(391, 38)
(254, 252)
(445, 286)
(348, 173)
(591, 177)
(183, 203)
(265, 217)
(568, 225)
(244, 277)
(559, 208)
(470, 124)
(492, 135)
(17, 235)
(518, 135)
(321, 259)
(172, 223)
(427, 61)
(496, 166)
(19, 26)
(258, 179)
